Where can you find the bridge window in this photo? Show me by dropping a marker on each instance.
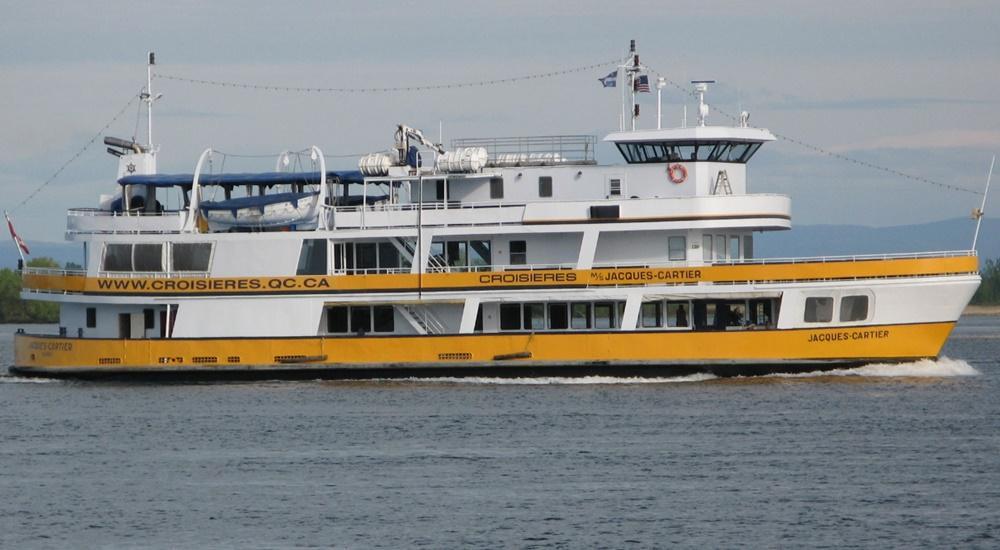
(147, 257)
(818, 310)
(545, 186)
(853, 308)
(672, 151)
(117, 257)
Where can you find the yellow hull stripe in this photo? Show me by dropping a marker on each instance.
(568, 278)
(845, 343)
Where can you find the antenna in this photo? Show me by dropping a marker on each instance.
(701, 86)
(148, 97)
(978, 212)
(660, 83)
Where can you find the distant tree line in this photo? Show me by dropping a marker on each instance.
(15, 310)
(989, 291)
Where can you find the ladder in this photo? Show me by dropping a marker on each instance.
(722, 184)
(422, 319)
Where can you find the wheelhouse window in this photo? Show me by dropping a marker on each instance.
(545, 186)
(853, 308)
(148, 257)
(672, 151)
(129, 257)
(818, 310)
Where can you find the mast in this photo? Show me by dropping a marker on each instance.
(978, 213)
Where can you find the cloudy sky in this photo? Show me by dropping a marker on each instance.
(906, 85)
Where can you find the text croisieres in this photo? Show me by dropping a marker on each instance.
(525, 277)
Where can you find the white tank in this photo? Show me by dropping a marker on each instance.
(463, 159)
(375, 164)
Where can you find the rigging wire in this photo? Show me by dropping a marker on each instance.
(386, 89)
(78, 153)
(818, 149)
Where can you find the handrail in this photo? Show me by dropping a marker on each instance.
(97, 212)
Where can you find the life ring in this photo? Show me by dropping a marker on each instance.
(677, 173)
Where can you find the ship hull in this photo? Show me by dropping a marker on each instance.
(616, 353)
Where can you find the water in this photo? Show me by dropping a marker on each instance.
(885, 455)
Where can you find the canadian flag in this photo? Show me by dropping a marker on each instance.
(13, 234)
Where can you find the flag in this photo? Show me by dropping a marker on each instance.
(642, 84)
(610, 80)
(13, 234)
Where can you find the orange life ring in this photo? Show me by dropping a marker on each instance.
(677, 173)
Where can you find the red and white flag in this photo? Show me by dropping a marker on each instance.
(17, 238)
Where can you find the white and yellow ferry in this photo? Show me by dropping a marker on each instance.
(510, 256)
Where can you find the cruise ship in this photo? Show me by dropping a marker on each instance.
(514, 256)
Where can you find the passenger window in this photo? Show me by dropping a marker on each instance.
(677, 249)
(190, 256)
(312, 257)
(336, 319)
(854, 308)
(706, 248)
(604, 315)
(534, 316)
(117, 257)
(384, 319)
(580, 318)
(819, 310)
(518, 252)
(496, 188)
(558, 316)
(677, 315)
(651, 314)
(545, 186)
(614, 187)
(510, 316)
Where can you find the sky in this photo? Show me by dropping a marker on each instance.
(907, 85)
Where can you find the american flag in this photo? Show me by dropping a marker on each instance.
(642, 84)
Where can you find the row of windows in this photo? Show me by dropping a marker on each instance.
(360, 319)
(154, 256)
(719, 247)
(561, 316)
(699, 314)
(819, 309)
(713, 151)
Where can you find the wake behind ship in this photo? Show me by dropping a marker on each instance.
(511, 256)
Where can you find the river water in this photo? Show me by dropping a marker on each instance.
(898, 456)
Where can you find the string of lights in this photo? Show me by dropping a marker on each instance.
(839, 156)
(384, 89)
(78, 153)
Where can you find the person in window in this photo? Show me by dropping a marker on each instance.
(682, 317)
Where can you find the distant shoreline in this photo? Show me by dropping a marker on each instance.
(981, 310)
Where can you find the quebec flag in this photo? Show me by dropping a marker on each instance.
(610, 80)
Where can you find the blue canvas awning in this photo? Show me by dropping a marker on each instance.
(259, 202)
(259, 178)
